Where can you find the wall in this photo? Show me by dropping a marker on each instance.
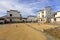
(14, 14)
(57, 19)
(31, 19)
(58, 14)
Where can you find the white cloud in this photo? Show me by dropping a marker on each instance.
(8, 5)
(25, 9)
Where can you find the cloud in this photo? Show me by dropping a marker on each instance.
(10, 5)
(26, 7)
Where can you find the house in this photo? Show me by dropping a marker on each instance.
(31, 18)
(45, 15)
(12, 16)
(24, 20)
(57, 16)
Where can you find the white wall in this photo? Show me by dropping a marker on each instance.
(15, 20)
(57, 19)
(39, 15)
(47, 14)
(14, 14)
(52, 20)
(31, 19)
(58, 14)
(2, 21)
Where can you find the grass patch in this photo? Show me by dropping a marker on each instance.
(53, 32)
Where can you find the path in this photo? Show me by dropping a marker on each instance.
(47, 36)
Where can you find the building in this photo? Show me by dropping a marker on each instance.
(12, 16)
(57, 16)
(24, 20)
(31, 18)
(45, 15)
(2, 20)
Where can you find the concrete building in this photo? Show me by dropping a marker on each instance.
(45, 14)
(13, 16)
(31, 19)
(57, 16)
(24, 20)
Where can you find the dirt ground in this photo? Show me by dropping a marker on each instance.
(21, 31)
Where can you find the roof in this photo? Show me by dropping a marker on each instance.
(31, 16)
(58, 11)
(14, 11)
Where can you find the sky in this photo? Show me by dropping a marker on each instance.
(27, 7)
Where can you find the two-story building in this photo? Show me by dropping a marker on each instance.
(45, 14)
(57, 16)
(12, 16)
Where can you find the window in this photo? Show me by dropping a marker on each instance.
(10, 20)
(42, 12)
(10, 14)
(42, 15)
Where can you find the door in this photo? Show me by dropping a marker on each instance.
(10, 20)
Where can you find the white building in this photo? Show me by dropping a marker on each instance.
(24, 19)
(57, 16)
(45, 14)
(32, 19)
(13, 16)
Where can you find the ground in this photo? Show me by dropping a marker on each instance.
(54, 32)
(23, 31)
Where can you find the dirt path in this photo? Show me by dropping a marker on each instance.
(47, 36)
(20, 32)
